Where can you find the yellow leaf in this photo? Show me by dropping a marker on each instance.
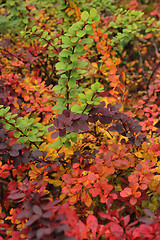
(157, 177)
(139, 155)
(145, 146)
(56, 183)
(85, 197)
(62, 196)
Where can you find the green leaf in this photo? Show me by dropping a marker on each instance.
(81, 64)
(64, 53)
(32, 138)
(52, 54)
(73, 58)
(34, 29)
(65, 39)
(82, 95)
(57, 88)
(81, 33)
(22, 140)
(95, 86)
(76, 108)
(79, 48)
(83, 52)
(56, 145)
(44, 35)
(93, 13)
(71, 83)
(5, 110)
(11, 3)
(8, 126)
(97, 18)
(67, 144)
(17, 134)
(76, 27)
(84, 16)
(60, 65)
(88, 27)
(98, 99)
(74, 73)
(87, 40)
(61, 100)
(74, 39)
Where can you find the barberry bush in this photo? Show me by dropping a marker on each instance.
(79, 120)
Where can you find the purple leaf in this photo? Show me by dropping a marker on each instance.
(66, 113)
(141, 136)
(25, 160)
(105, 119)
(112, 128)
(124, 117)
(54, 135)
(129, 135)
(135, 124)
(36, 153)
(3, 145)
(146, 220)
(62, 132)
(83, 117)
(32, 234)
(51, 129)
(56, 122)
(25, 214)
(75, 127)
(28, 204)
(48, 169)
(48, 214)
(45, 221)
(77, 116)
(40, 233)
(68, 121)
(116, 116)
(15, 194)
(37, 210)
(149, 212)
(14, 153)
(2, 132)
(32, 220)
(16, 162)
(18, 146)
(83, 126)
(137, 143)
(93, 119)
(69, 129)
(44, 154)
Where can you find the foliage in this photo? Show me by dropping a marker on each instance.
(79, 120)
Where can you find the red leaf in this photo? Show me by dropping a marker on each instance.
(133, 200)
(126, 220)
(67, 179)
(92, 222)
(126, 192)
(12, 185)
(16, 235)
(91, 176)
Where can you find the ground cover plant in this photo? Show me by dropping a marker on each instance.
(79, 120)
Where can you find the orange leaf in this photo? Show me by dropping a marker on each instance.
(73, 199)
